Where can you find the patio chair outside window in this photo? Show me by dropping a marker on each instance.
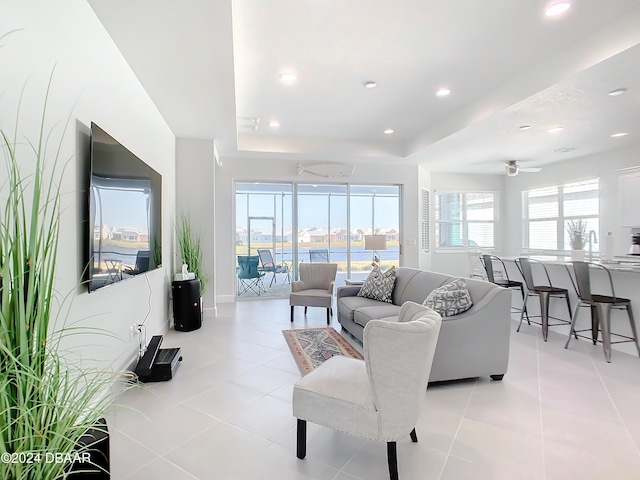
(319, 256)
(249, 278)
(268, 265)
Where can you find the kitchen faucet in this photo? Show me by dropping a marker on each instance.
(592, 234)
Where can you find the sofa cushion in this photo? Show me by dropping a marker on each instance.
(413, 285)
(450, 299)
(379, 285)
(348, 305)
(382, 310)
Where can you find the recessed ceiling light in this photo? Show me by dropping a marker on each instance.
(389, 131)
(555, 129)
(274, 123)
(369, 84)
(619, 134)
(617, 91)
(556, 8)
(524, 127)
(288, 78)
(443, 92)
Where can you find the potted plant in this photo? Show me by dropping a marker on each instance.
(46, 403)
(191, 250)
(577, 230)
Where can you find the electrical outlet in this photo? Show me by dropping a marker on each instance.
(133, 330)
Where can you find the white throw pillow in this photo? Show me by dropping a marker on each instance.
(450, 299)
(379, 285)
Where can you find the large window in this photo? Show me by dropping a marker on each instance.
(316, 222)
(547, 211)
(465, 219)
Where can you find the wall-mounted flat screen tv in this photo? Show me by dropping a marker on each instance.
(124, 236)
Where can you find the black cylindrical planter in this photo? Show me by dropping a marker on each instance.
(187, 313)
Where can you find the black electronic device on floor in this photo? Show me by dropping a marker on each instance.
(187, 314)
(158, 364)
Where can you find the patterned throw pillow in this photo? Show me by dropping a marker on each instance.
(450, 299)
(379, 285)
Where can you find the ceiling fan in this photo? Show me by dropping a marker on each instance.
(512, 168)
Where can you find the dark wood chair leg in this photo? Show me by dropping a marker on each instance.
(292, 313)
(414, 437)
(328, 317)
(305, 310)
(392, 459)
(302, 439)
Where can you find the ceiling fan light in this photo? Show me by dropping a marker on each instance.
(511, 168)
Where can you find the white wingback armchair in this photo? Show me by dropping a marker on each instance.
(378, 397)
(315, 287)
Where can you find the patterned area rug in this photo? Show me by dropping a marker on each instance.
(312, 346)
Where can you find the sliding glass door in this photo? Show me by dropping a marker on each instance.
(314, 223)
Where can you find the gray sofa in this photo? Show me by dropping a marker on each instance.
(471, 344)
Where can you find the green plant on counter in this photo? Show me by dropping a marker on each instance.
(191, 250)
(46, 404)
(577, 230)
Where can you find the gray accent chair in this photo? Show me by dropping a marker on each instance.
(315, 287)
(378, 398)
(471, 344)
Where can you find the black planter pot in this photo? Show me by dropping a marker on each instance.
(93, 463)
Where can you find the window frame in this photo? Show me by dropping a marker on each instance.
(464, 221)
(561, 218)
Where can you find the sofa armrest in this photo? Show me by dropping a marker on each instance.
(297, 286)
(348, 291)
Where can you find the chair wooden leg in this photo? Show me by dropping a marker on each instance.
(292, 313)
(302, 439)
(414, 437)
(305, 310)
(328, 316)
(392, 459)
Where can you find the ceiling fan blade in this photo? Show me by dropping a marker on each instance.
(530, 170)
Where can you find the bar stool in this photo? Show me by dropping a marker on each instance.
(545, 293)
(487, 263)
(598, 304)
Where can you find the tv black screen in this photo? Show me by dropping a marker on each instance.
(125, 213)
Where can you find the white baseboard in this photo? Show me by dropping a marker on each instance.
(225, 299)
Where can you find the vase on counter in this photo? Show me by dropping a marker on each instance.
(577, 255)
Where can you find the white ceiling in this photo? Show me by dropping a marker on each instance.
(209, 65)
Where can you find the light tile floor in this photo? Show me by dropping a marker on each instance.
(557, 415)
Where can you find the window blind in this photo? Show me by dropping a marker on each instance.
(547, 211)
(465, 219)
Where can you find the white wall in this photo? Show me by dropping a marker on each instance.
(91, 82)
(592, 166)
(457, 263)
(195, 198)
(285, 171)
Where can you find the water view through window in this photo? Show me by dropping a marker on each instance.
(326, 222)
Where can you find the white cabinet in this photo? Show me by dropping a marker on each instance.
(630, 199)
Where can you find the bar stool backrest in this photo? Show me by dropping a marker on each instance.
(487, 262)
(581, 270)
(524, 265)
(582, 273)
